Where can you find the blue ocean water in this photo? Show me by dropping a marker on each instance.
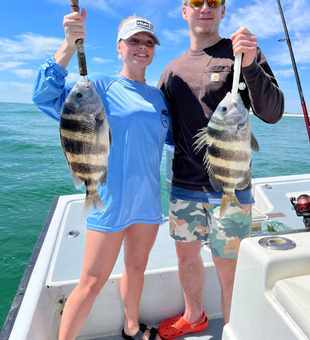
(34, 170)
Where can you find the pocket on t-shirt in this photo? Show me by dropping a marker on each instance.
(217, 81)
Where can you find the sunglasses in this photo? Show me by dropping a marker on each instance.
(199, 3)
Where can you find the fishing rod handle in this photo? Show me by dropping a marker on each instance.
(79, 44)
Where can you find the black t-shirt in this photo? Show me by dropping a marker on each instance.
(194, 84)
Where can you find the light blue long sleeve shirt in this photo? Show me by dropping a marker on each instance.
(139, 120)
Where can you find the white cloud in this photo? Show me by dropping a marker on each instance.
(102, 61)
(284, 73)
(9, 65)
(176, 12)
(265, 23)
(28, 46)
(297, 16)
(301, 51)
(73, 77)
(25, 73)
(105, 6)
(254, 19)
(20, 86)
(176, 36)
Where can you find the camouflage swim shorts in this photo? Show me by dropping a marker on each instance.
(192, 221)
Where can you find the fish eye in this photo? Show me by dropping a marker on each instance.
(241, 127)
(224, 109)
(79, 95)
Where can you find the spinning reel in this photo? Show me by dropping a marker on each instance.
(302, 208)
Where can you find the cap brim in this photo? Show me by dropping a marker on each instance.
(133, 32)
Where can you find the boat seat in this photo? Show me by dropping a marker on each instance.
(293, 296)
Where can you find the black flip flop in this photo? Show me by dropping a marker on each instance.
(139, 334)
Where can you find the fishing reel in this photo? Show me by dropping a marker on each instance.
(302, 208)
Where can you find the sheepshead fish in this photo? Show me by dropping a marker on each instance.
(86, 138)
(229, 141)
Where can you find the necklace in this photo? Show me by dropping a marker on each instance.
(136, 81)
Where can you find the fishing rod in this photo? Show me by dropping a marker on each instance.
(79, 44)
(302, 99)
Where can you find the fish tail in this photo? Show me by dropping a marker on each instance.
(226, 200)
(91, 203)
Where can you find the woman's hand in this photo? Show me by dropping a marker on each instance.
(74, 26)
(74, 29)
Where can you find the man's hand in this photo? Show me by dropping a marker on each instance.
(244, 42)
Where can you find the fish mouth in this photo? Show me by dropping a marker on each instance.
(85, 82)
(232, 118)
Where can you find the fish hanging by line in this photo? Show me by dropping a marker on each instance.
(229, 141)
(86, 138)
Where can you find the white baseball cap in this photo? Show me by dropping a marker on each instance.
(137, 25)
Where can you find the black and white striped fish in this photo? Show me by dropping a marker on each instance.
(229, 142)
(86, 138)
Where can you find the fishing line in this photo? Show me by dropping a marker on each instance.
(281, 56)
(280, 39)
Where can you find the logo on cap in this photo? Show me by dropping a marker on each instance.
(143, 24)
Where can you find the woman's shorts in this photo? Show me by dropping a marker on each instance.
(192, 221)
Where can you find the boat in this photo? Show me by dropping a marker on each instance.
(271, 291)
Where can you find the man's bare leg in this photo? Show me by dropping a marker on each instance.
(192, 275)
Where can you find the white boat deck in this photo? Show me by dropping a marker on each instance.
(68, 260)
(58, 267)
(213, 332)
(272, 197)
(69, 256)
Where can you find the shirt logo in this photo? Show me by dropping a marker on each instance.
(215, 77)
(164, 118)
(143, 24)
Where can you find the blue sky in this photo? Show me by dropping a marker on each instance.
(32, 30)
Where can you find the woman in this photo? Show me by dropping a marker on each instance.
(137, 114)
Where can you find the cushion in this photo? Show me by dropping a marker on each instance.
(293, 296)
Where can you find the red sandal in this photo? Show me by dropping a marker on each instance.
(173, 328)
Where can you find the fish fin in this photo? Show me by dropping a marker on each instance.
(92, 203)
(103, 178)
(247, 178)
(254, 143)
(203, 139)
(216, 185)
(99, 123)
(202, 132)
(99, 128)
(77, 182)
(110, 136)
(226, 200)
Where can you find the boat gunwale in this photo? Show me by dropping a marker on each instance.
(20, 293)
(279, 233)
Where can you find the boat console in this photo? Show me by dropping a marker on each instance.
(272, 289)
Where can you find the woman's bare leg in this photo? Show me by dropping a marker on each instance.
(101, 251)
(138, 242)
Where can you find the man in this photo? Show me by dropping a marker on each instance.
(194, 84)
